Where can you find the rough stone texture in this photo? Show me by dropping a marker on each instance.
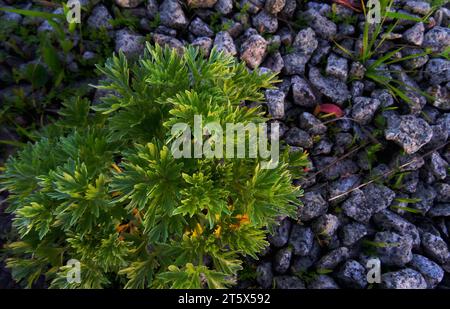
(403, 279)
(388, 221)
(297, 137)
(128, 3)
(353, 232)
(302, 93)
(172, 14)
(352, 275)
(337, 67)
(435, 247)
(364, 109)
(100, 18)
(438, 71)
(314, 206)
(301, 240)
(204, 4)
(432, 272)
(323, 282)
(281, 235)
(264, 275)
(311, 124)
(274, 6)
(393, 249)
(130, 43)
(288, 282)
(323, 26)
(294, 63)
(199, 28)
(224, 42)
(410, 132)
(437, 39)
(331, 87)
(253, 50)
(415, 34)
(265, 22)
(333, 259)
(305, 41)
(282, 260)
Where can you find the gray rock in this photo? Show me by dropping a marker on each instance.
(275, 6)
(337, 67)
(325, 226)
(165, 40)
(438, 71)
(254, 6)
(332, 259)
(172, 15)
(305, 41)
(331, 87)
(353, 232)
(128, 3)
(289, 9)
(431, 272)
(253, 51)
(204, 44)
(302, 264)
(356, 207)
(280, 236)
(275, 103)
(301, 240)
(282, 260)
(264, 275)
(416, 101)
(417, 7)
(302, 93)
(393, 249)
(152, 9)
(415, 34)
(313, 206)
(425, 195)
(437, 39)
(403, 279)
(357, 70)
(341, 186)
(274, 62)
(224, 42)
(333, 168)
(224, 7)
(321, 52)
(438, 166)
(323, 282)
(441, 96)
(288, 282)
(410, 132)
(311, 124)
(265, 22)
(443, 192)
(435, 248)
(378, 197)
(439, 210)
(382, 95)
(100, 18)
(323, 147)
(199, 28)
(386, 220)
(364, 109)
(323, 26)
(298, 137)
(203, 4)
(294, 63)
(352, 275)
(418, 61)
(130, 43)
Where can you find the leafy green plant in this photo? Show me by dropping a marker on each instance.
(103, 187)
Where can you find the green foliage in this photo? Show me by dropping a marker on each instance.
(103, 187)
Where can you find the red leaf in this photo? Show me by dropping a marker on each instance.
(329, 109)
(354, 5)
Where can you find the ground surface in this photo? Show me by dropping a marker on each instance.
(377, 185)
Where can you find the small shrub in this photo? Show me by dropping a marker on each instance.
(104, 188)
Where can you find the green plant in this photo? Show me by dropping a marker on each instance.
(104, 188)
(373, 38)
